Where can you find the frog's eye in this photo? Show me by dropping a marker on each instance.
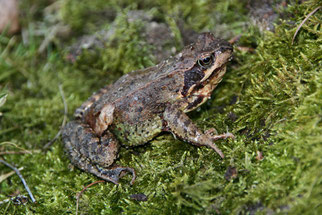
(205, 62)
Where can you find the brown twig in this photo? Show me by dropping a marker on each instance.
(64, 120)
(83, 190)
(302, 23)
(21, 178)
(234, 39)
(245, 49)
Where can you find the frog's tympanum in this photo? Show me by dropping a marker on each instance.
(143, 103)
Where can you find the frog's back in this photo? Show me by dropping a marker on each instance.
(139, 82)
(129, 84)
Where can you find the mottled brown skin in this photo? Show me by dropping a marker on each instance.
(143, 103)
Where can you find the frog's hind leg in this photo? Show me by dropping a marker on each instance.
(93, 154)
(79, 112)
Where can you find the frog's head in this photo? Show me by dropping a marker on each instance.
(207, 58)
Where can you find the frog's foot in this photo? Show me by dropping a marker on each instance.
(93, 154)
(215, 137)
(113, 174)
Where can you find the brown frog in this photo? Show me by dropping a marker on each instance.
(143, 103)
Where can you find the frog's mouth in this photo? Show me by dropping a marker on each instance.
(212, 81)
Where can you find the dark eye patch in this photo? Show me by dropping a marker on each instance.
(191, 77)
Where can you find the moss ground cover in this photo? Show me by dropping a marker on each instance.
(270, 99)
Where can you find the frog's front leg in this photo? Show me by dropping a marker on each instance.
(182, 126)
(93, 154)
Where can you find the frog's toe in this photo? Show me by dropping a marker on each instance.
(115, 173)
(230, 135)
(214, 147)
(223, 136)
(211, 132)
(130, 170)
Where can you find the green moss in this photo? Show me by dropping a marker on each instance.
(84, 17)
(125, 51)
(270, 100)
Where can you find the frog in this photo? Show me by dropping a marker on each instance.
(144, 103)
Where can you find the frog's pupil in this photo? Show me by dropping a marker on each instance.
(206, 60)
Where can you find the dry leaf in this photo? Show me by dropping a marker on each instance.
(9, 16)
